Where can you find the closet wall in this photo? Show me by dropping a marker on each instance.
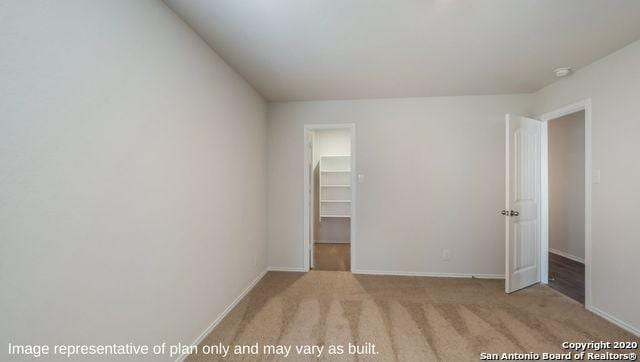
(417, 156)
(329, 143)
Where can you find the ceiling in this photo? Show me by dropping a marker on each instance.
(348, 49)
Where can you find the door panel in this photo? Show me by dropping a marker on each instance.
(523, 202)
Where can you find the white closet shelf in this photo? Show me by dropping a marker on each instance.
(335, 187)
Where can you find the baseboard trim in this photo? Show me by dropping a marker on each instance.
(428, 274)
(285, 269)
(567, 255)
(627, 327)
(224, 313)
(331, 242)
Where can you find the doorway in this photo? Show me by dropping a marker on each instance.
(566, 183)
(527, 211)
(329, 197)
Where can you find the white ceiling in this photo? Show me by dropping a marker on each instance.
(346, 49)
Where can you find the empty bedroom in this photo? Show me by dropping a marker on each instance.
(348, 180)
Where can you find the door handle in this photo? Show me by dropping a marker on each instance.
(514, 213)
(504, 212)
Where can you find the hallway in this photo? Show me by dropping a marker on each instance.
(332, 256)
(567, 277)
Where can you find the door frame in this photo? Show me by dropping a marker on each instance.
(308, 128)
(583, 105)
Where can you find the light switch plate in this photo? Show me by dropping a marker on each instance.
(360, 178)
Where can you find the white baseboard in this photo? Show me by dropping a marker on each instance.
(567, 255)
(285, 269)
(331, 242)
(429, 274)
(224, 313)
(627, 327)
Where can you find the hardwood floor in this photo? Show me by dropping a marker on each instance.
(329, 256)
(567, 277)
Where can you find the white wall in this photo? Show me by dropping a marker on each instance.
(566, 185)
(331, 142)
(132, 175)
(613, 84)
(434, 170)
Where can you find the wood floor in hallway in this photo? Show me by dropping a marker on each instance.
(331, 256)
(567, 277)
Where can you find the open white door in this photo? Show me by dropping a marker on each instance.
(522, 211)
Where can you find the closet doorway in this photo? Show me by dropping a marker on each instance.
(329, 197)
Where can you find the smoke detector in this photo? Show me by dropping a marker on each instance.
(562, 72)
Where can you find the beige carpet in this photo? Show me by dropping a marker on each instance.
(407, 318)
(331, 256)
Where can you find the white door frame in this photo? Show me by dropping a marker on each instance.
(307, 210)
(584, 105)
